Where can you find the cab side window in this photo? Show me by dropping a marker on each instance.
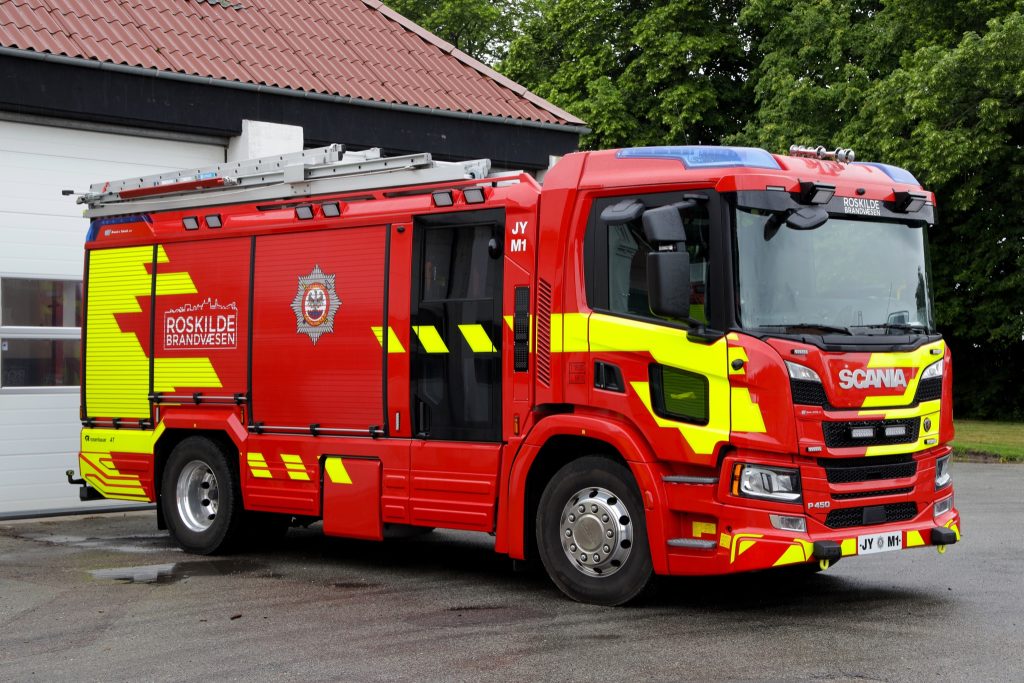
(615, 260)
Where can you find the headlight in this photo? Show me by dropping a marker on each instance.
(771, 483)
(934, 370)
(942, 476)
(797, 371)
(943, 506)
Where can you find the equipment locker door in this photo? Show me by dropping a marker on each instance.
(456, 346)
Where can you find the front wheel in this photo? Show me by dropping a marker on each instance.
(200, 497)
(591, 532)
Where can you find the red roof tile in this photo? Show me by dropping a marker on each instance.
(354, 48)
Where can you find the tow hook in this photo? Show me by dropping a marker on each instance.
(86, 492)
(827, 552)
(941, 537)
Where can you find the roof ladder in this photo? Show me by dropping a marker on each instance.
(315, 171)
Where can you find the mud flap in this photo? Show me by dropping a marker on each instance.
(352, 497)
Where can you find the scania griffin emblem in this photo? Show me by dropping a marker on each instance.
(315, 304)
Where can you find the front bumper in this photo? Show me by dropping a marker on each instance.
(757, 547)
(711, 531)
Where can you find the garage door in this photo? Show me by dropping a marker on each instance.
(41, 237)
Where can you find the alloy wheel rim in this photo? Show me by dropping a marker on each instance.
(596, 531)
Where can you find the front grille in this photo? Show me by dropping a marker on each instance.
(808, 393)
(850, 470)
(840, 434)
(867, 516)
(928, 390)
(871, 494)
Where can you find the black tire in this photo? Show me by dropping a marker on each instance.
(611, 558)
(200, 497)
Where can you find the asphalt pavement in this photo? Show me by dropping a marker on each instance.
(109, 598)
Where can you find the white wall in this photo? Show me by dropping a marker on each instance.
(41, 236)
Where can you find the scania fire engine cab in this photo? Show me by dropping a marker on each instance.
(665, 360)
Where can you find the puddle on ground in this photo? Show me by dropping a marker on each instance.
(126, 543)
(177, 571)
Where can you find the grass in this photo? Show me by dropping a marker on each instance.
(1003, 441)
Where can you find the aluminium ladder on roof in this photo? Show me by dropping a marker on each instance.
(315, 171)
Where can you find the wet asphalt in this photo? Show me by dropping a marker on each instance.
(109, 598)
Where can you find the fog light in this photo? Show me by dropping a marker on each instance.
(787, 523)
(941, 507)
(898, 430)
(862, 432)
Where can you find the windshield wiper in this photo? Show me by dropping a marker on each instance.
(902, 327)
(816, 326)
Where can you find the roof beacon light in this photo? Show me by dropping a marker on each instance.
(843, 156)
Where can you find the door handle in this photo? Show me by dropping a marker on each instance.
(422, 418)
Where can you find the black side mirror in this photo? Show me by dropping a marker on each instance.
(668, 284)
(621, 213)
(807, 218)
(668, 266)
(664, 225)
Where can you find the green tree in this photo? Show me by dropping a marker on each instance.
(637, 71)
(480, 28)
(936, 87)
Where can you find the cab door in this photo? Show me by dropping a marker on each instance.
(455, 368)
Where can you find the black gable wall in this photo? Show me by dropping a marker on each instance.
(85, 90)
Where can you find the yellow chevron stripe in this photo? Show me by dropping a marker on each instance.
(394, 345)
(258, 466)
(477, 338)
(918, 358)
(430, 338)
(336, 471)
(101, 474)
(117, 381)
(296, 469)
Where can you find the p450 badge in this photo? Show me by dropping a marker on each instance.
(818, 504)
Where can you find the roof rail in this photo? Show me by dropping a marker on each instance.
(315, 171)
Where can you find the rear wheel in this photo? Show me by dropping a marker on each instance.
(200, 497)
(591, 532)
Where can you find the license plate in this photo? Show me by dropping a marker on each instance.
(879, 543)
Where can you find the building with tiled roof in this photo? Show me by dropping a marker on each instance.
(93, 90)
(200, 66)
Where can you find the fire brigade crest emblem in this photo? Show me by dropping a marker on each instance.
(315, 304)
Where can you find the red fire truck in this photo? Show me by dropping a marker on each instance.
(666, 360)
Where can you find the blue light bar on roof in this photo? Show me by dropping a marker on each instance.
(705, 156)
(97, 223)
(900, 175)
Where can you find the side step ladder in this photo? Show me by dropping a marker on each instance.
(315, 171)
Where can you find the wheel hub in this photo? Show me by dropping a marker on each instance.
(596, 531)
(198, 496)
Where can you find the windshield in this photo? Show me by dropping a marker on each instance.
(853, 276)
